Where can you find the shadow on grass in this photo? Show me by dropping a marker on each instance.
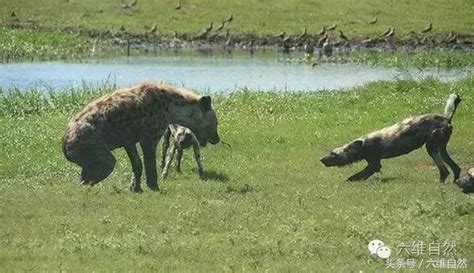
(214, 176)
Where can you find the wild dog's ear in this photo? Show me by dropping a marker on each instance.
(357, 144)
(205, 103)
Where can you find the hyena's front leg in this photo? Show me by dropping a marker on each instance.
(197, 157)
(372, 167)
(149, 156)
(179, 157)
(137, 167)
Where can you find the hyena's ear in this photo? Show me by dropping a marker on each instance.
(205, 103)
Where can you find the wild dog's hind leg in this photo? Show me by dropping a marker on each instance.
(372, 167)
(435, 152)
(149, 156)
(137, 167)
(454, 167)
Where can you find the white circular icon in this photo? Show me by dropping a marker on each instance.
(384, 252)
(374, 245)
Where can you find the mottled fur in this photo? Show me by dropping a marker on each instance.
(129, 116)
(399, 139)
(182, 138)
(466, 183)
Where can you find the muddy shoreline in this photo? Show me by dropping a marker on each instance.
(148, 41)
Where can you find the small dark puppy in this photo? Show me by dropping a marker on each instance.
(466, 183)
(399, 139)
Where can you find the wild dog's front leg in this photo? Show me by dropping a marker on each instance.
(435, 153)
(166, 168)
(197, 157)
(372, 167)
(137, 167)
(149, 155)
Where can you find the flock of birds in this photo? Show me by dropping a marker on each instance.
(325, 39)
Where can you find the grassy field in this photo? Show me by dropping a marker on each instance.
(267, 203)
(250, 17)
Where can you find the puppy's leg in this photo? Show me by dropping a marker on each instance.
(197, 157)
(166, 145)
(372, 167)
(179, 156)
(435, 153)
(166, 168)
(454, 167)
(137, 167)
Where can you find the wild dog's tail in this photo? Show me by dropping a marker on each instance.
(451, 105)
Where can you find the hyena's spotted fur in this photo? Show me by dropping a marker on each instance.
(129, 116)
(182, 138)
(399, 139)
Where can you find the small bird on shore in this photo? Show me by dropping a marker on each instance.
(327, 49)
(153, 29)
(230, 18)
(205, 32)
(129, 5)
(333, 27)
(308, 50)
(342, 36)
(322, 40)
(391, 33)
(280, 35)
(385, 33)
(452, 38)
(303, 34)
(428, 29)
(373, 21)
(323, 31)
(219, 28)
(178, 6)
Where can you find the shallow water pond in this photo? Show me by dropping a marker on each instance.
(208, 73)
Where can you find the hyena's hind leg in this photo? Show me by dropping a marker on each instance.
(166, 145)
(137, 167)
(445, 135)
(87, 150)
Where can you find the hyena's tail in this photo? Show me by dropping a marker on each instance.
(451, 105)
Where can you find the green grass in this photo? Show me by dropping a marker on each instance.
(269, 205)
(250, 17)
(21, 44)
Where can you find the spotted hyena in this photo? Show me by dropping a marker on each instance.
(129, 116)
(182, 138)
(402, 138)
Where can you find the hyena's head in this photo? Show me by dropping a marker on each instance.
(206, 129)
(344, 155)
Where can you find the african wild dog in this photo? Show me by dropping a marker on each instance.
(129, 116)
(466, 183)
(399, 139)
(183, 138)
